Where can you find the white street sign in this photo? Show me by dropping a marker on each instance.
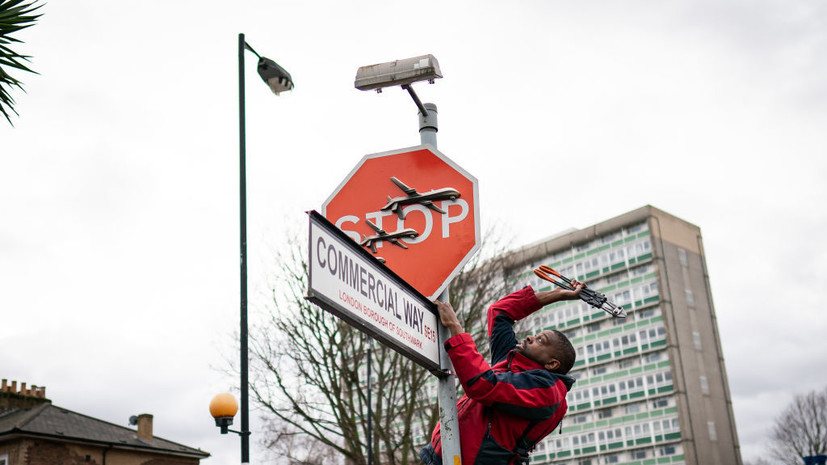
(347, 281)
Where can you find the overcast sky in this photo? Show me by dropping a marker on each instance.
(119, 187)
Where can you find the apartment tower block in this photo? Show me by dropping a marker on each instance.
(651, 388)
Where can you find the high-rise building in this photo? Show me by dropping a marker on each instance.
(651, 388)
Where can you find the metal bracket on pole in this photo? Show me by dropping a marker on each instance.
(447, 387)
(428, 124)
(415, 98)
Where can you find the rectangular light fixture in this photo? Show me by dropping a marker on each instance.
(398, 73)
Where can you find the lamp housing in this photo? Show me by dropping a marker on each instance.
(274, 75)
(224, 423)
(398, 73)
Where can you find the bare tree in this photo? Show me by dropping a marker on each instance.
(801, 430)
(295, 448)
(308, 373)
(758, 461)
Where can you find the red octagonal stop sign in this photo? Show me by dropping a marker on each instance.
(413, 207)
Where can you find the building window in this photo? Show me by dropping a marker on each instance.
(610, 237)
(690, 298)
(617, 277)
(704, 385)
(682, 256)
(639, 454)
(668, 450)
(634, 229)
(4, 459)
(696, 338)
(713, 435)
(629, 362)
(653, 357)
(649, 312)
(580, 419)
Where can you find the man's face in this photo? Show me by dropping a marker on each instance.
(540, 348)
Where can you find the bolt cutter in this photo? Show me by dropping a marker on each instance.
(593, 298)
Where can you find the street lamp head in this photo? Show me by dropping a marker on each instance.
(398, 73)
(223, 408)
(274, 75)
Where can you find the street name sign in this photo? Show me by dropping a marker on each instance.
(414, 208)
(349, 282)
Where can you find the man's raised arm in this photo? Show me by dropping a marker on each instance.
(533, 391)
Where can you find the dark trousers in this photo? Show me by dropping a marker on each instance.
(429, 456)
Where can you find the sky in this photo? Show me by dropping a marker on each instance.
(119, 180)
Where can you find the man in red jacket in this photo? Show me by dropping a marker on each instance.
(510, 406)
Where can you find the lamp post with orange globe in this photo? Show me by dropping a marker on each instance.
(223, 408)
(279, 81)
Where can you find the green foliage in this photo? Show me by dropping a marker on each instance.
(15, 15)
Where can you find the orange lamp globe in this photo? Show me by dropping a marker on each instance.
(223, 405)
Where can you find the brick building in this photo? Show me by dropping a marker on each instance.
(35, 432)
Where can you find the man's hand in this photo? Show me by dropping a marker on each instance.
(448, 317)
(575, 294)
(549, 297)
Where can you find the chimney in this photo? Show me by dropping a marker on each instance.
(25, 398)
(145, 427)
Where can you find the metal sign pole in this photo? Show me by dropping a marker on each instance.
(447, 388)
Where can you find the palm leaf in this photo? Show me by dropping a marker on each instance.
(15, 15)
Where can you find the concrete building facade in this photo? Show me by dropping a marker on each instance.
(651, 388)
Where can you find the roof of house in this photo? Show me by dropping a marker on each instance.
(48, 421)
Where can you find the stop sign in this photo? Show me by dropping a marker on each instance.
(414, 208)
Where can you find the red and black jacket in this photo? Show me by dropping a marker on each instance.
(516, 398)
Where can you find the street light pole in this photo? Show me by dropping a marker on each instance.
(279, 80)
(242, 195)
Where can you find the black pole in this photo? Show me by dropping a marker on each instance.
(242, 194)
(370, 407)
